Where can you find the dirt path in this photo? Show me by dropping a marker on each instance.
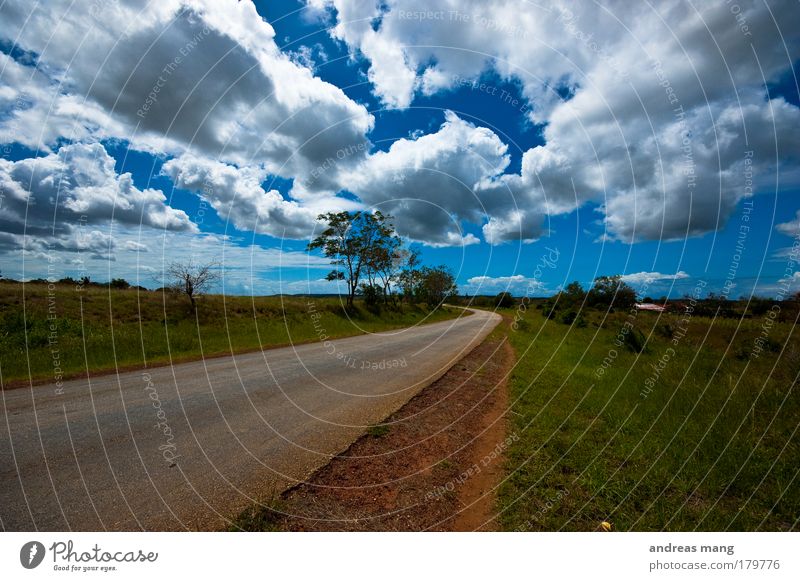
(432, 465)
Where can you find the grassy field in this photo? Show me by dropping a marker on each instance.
(694, 432)
(47, 332)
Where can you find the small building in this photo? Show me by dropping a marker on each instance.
(650, 307)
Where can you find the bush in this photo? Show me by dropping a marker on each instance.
(634, 340)
(436, 285)
(504, 300)
(611, 292)
(666, 331)
(373, 295)
(569, 317)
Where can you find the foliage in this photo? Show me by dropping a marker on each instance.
(504, 300)
(359, 244)
(572, 296)
(409, 275)
(436, 285)
(98, 329)
(610, 292)
(373, 296)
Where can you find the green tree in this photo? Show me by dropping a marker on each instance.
(352, 241)
(436, 285)
(611, 292)
(504, 300)
(573, 295)
(409, 275)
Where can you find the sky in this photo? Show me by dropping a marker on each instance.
(522, 145)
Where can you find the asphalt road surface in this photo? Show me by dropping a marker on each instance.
(189, 446)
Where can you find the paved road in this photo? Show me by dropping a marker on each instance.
(188, 446)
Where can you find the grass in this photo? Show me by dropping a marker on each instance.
(59, 331)
(266, 516)
(378, 431)
(707, 440)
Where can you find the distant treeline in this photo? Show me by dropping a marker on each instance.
(85, 281)
(611, 293)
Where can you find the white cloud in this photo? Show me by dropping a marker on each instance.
(236, 194)
(640, 278)
(96, 252)
(170, 77)
(661, 113)
(662, 106)
(515, 284)
(50, 198)
(428, 183)
(790, 228)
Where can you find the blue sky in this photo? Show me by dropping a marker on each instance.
(495, 134)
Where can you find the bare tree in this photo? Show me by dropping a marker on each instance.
(192, 279)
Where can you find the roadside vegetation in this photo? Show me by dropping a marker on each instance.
(680, 420)
(369, 256)
(98, 328)
(51, 330)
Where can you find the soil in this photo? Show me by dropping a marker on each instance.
(433, 465)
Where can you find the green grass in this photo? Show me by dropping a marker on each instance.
(712, 447)
(266, 516)
(98, 329)
(378, 431)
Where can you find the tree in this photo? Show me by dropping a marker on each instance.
(611, 292)
(504, 300)
(409, 275)
(573, 295)
(355, 241)
(436, 285)
(383, 259)
(119, 283)
(192, 279)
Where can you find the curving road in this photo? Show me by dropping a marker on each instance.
(189, 446)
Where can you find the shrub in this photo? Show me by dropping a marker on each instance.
(569, 317)
(504, 300)
(634, 340)
(373, 295)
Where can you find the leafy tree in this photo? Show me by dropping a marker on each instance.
(192, 279)
(436, 285)
(384, 259)
(119, 283)
(573, 295)
(409, 275)
(372, 294)
(611, 292)
(504, 300)
(358, 243)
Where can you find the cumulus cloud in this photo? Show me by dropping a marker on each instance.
(515, 284)
(48, 200)
(659, 119)
(429, 182)
(171, 77)
(236, 194)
